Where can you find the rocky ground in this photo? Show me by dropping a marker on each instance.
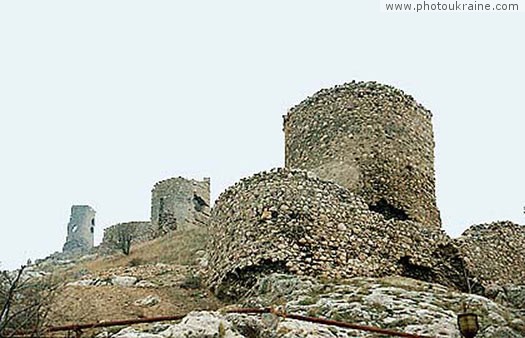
(158, 278)
(132, 292)
(396, 303)
(165, 277)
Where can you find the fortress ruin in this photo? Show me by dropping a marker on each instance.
(356, 198)
(176, 204)
(180, 204)
(372, 139)
(80, 229)
(290, 221)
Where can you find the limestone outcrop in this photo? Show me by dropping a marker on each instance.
(395, 303)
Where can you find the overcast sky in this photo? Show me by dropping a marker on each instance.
(101, 99)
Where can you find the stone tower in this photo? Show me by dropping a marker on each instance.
(80, 230)
(373, 139)
(180, 204)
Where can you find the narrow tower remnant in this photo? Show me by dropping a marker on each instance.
(180, 204)
(373, 139)
(80, 230)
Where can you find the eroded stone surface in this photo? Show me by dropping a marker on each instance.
(394, 303)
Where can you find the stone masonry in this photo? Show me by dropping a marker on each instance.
(180, 204)
(291, 221)
(374, 140)
(495, 253)
(80, 229)
(176, 204)
(139, 232)
(356, 199)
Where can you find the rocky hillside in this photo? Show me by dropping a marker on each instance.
(165, 277)
(159, 278)
(396, 303)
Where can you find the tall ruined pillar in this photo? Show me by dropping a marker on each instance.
(80, 229)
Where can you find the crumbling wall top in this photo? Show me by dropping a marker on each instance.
(495, 252)
(366, 90)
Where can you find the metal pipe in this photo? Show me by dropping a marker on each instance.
(75, 327)
(79, 327)
(329, 322)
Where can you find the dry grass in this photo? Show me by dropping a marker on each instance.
(175, 248)
(90, 304)
(77, 304)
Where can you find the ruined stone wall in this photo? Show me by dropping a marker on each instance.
(495, 252)
(372, 139)
(139, 231)
(179, 203)
(80, 229)
(289, 221)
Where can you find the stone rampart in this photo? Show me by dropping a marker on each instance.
(138, 232)
(289, 221)
(495, 252)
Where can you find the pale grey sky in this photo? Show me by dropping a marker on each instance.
(101, 99)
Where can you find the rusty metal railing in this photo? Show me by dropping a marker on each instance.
(78, 328)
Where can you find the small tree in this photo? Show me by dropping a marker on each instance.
(121, 236)
(24, 303)
(124, 239)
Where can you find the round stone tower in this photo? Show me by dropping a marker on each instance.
(373, 139)
(80, 229)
